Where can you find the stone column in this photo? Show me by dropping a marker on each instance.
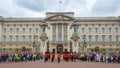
(0, 30)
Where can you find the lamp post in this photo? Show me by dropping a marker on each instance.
(34, 45)
(43, 37)
(84, 44)
(75, 36)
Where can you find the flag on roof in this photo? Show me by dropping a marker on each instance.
(60, 1)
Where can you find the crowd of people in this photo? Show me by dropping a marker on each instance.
(20, 56)
(106, 57)
(113, 57)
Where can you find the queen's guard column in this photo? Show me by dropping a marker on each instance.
(75, 38)
(43, 37)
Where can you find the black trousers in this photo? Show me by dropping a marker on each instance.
(46, 59)
(58, 60)
(52, 60)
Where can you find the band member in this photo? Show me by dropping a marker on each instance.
(58, 57)
(68, 56)
(53, 56)
(48, 55)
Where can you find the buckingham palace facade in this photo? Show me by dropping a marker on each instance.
(60, 31)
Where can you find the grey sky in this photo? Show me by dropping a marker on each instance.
(38, 8)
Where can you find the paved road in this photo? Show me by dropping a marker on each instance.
(63, 64)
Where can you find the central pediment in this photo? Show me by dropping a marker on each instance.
(59, 17)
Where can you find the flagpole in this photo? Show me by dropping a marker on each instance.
(60, 5)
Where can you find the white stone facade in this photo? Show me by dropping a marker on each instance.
(102, 32)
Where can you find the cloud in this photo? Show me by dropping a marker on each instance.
(35, 5)
(38, 8)
(9, 9)
(106, 7)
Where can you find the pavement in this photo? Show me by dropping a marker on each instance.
(62, 64)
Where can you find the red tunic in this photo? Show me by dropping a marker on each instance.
(46, 56)
(53, 55)
(74, 56)
(58, 56)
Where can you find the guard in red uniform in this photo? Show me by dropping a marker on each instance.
(65, 56)
(53, 56)
(48, 55)
(58, 57)
(68, 56)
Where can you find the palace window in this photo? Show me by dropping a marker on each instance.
(4, 30)
(83, 30)
(110, 39)
(90, 39)
(36, 30)
(11, 30)
(30, 39)
(116, 39)
(4, 38)
(11, 39)
(59, 28)
(65, 28)
(96, 30)
(103, 39)
(59, 39)
(96, 38)
(54, 39)
(116, 30)
(60, 33)
(17, 30)
(103, 30)
(23, 30)
(82, 39)
(110, 30)
(17, 39)
(54, 28)
(89, 29)
(36, 39)
(30, 30)
(23, 39)
(65, 38)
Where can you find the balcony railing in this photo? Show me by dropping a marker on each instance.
(59, 42)
(101, 43)
(17, 43)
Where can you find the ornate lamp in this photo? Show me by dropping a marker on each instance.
(75, 36)
(43, 35)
